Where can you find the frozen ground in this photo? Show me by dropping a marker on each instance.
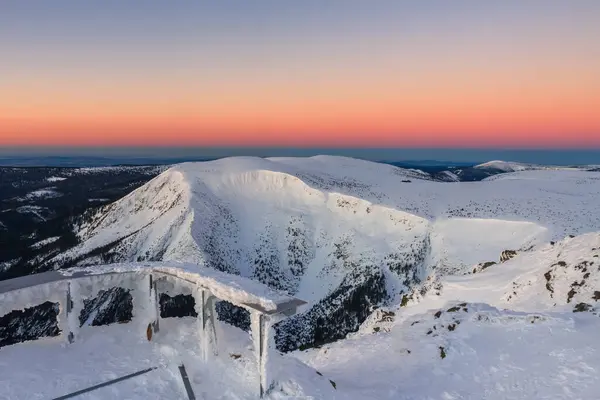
(505, 355)
(508, 332)
(48, 368)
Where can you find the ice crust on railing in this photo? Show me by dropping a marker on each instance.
(54, 292)
(235, 289)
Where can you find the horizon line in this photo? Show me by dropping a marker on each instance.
(308, 147)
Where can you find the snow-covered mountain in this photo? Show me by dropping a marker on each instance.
(346, 235)
(508, 166)
(512, 166)
(441, 290)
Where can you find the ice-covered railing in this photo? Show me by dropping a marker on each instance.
(69, 287)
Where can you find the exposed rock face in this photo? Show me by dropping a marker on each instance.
(507, 255)
(482, 266)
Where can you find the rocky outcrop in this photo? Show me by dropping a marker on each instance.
(507, 255)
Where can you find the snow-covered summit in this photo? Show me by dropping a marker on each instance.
(513, 166)
(508, 166)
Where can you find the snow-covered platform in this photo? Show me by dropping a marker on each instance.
(48, 368)
(85, 356)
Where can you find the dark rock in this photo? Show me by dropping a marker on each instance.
(507, 255)
(387, 316)
(487, 264)
(560, 264)
(570, 295)
(582, 307)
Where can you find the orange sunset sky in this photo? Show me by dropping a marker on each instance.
(389, 73)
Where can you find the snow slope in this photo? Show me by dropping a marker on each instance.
(512, 331)
(343, 234)
(104, 353)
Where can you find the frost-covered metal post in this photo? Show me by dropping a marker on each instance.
(74, 305)
(69, 310)
(205, 308)
(154, 304)
(144, 309)
(264, 343)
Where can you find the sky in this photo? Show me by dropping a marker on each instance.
(336, 73)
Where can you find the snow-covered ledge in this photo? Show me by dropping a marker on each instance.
(69, 287)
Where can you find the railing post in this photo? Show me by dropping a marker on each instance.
(212, 323)
(143, 304)
(73, 309)
(262, 336)
(69, 317)
(154, 304)
(205, 302)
